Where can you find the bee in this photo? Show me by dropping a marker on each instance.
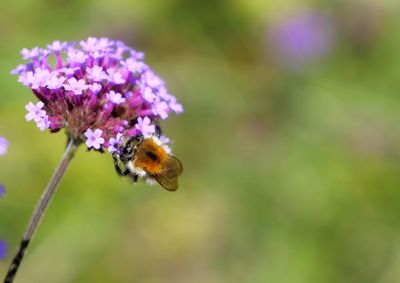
(150, 159)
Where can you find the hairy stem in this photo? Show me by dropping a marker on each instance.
(40, 209)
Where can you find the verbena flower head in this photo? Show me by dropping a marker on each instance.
(97, 89)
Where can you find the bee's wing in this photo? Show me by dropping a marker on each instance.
(168, 178)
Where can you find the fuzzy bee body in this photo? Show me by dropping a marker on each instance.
(150, 159)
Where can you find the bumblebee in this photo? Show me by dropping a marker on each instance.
(149, 158)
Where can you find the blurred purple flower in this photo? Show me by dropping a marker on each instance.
(175, 106)
(3, 150)
(3, 250)
(2, 190)
(96, 83)
(3, 145)
(302, 37)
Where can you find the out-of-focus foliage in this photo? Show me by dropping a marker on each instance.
(291, 170)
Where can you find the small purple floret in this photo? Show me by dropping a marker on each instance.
(114, 142)
(148, 94)
(95, 87)
(96, 74)
(55, 82)
(145, 127)
(76, 56)
(115, 98)
(76, 86)
(35, 112)
(57, 46)
(43, 123)
(175, 106)
(29, 54)
(94, 139)
(160, 108)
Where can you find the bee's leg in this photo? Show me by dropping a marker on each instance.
(118, 167)
(134, 177)
(158, 130)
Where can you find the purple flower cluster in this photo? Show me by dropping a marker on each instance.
(98, 90)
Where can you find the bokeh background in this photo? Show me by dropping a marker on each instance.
(290, 142)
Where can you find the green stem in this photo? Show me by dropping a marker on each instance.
(48, 193)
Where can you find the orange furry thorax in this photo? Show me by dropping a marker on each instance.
(150, 157)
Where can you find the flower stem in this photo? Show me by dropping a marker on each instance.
(40, 209)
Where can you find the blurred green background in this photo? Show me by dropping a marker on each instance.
(291, 152)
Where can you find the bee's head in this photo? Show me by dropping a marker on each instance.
(128, 147)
